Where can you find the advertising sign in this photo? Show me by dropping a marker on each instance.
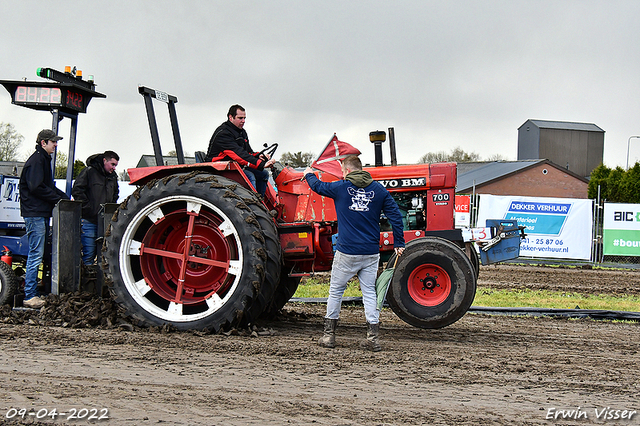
(555, 227)
(463, 211)
(621, 229)
(10, 203)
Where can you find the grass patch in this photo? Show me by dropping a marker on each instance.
(554, 299)
(312, 287)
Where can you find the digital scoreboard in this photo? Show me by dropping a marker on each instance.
(65, 95)
(48, 95)
(69, 93)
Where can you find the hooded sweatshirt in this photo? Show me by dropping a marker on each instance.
(95, 187)
(359, 200)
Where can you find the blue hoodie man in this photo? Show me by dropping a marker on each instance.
(358, 200)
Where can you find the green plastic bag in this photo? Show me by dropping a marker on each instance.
(382, 284)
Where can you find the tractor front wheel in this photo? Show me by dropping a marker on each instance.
(433, 285)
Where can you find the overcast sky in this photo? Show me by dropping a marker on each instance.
(442, 73)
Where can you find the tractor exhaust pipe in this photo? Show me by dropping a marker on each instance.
(392, 146)
(376, 139)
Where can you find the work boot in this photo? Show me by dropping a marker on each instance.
(371, 343)
(328, 339)
(89, 271)
(34, 303)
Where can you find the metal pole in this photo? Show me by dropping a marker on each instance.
(594, 225)
(153, 127)
(392, 146)
(176, 131)
(599, 254)
(474, 206)
(72, 154)
(54, 127)
(628, 142)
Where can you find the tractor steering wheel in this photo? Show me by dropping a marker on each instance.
(269, 150)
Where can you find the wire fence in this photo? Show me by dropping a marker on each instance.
(597, 257)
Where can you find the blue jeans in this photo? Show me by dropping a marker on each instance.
(258, 179)
(345, 266)
(37, 231)
(88, 238)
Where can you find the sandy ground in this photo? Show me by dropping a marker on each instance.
(482, 370)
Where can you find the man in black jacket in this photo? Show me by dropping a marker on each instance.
(38, 196)
(230, 141)
(96, 185)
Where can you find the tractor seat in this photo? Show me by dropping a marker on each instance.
(200, 157)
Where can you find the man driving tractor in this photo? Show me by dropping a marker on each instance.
(231, 142)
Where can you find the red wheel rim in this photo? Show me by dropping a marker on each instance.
(185, 257)
(429, 285)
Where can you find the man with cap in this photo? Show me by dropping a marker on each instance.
(38, 196)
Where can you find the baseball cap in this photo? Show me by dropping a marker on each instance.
(48, 135)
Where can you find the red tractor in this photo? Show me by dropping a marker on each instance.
(195, 247)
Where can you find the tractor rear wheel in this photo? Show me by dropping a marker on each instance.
(8, 284)
(273, 263)
(433, 285)
(285, 290)
(186, 250)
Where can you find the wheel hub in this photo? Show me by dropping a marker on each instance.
(196, 250)
(171, 254)
(429, 285)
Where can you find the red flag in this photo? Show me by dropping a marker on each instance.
(329, 159)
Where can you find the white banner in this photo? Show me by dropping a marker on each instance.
(555, 227)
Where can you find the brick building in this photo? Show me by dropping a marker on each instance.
(532, 178)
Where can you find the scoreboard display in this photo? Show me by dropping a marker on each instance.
(44, 96)
(69, 94)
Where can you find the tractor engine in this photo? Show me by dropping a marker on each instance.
(412, 209)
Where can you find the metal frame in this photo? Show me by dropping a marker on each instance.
(170, 100)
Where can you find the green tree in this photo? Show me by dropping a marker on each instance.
(61, 166)
(174, 153)
(78, 166)
(630, 185)
(616, 185)
(457, 155)
(599, 177)
(434, 157)
(10, 142)
(614, 188)
(297, 159)
(497, 157)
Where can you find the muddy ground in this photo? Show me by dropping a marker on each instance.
(482, 370)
